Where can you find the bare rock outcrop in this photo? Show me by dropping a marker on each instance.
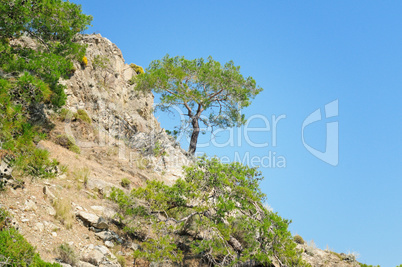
(122, 116)
(102, 88)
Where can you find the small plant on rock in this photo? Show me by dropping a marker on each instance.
(298, 239)
(125, 183)
(67, 254)
(82, 116)
(84, 61)
(137, 69)
(64, 212)
(68, 142)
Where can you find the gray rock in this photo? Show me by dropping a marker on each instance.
(109, 244)
(5, 169)
(107, 236)
(84, 264)
(101, 224)
(94, 257)
(30, 206)
(89, 218)
(48, 193)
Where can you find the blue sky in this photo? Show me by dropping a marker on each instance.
(305, 54)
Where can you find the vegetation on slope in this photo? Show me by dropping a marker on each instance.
(36, 49)
(14, 249)
(215, 212)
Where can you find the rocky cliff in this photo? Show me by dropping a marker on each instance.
(122, 116)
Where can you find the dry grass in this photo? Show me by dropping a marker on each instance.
(64, 212)
(81, 176)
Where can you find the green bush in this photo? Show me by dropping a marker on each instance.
(15, 250)
(82, 116)
(68, 142)
(100, 62)
(121, 260)
(125, 183)
(240, 229)
(158, 150)
(67, 254)
(298, 239)
(31, 77)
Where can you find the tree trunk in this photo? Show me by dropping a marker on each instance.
(194, 136)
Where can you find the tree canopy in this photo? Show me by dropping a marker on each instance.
(200, 87)
(37, 48)
(216, 212)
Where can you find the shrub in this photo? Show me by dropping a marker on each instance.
(137, 69)
(15, 250)
(100, 62)
(68, 142)
(64, 114)
(121, 260)
(298, 239)
(82, 116)
(125, 183)
(240, 229)
(158, 150)
(67, 254)
(84, 61)
(64, 212)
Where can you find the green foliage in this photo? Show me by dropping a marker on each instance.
(37, 48)
(200, 87)
(68, 142)
(366, 265)
(67, 254)
(125, 183)
(220, 206)
(82, 116)
(158, 150)
(161, 248)
(298, 239)
(100, 62)
(15, 250)
(121, 260)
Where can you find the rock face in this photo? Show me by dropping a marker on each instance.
(122, 116)
(323, 258)
(103, 90)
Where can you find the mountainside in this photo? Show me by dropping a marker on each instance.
(105, 137)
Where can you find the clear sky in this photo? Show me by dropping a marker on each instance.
(305, 54)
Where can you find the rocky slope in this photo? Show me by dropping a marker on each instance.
(122, 141)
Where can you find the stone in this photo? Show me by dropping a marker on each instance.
(97, 208)
(30, 206)
(84, 264)
(88, 218)
(48, 193)
(94, 257)
(101, 224)
(135, 246)
(50, 210)
(109, 244)
(39, 227)
(106, 235)
(5, 169)
(54, 234)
